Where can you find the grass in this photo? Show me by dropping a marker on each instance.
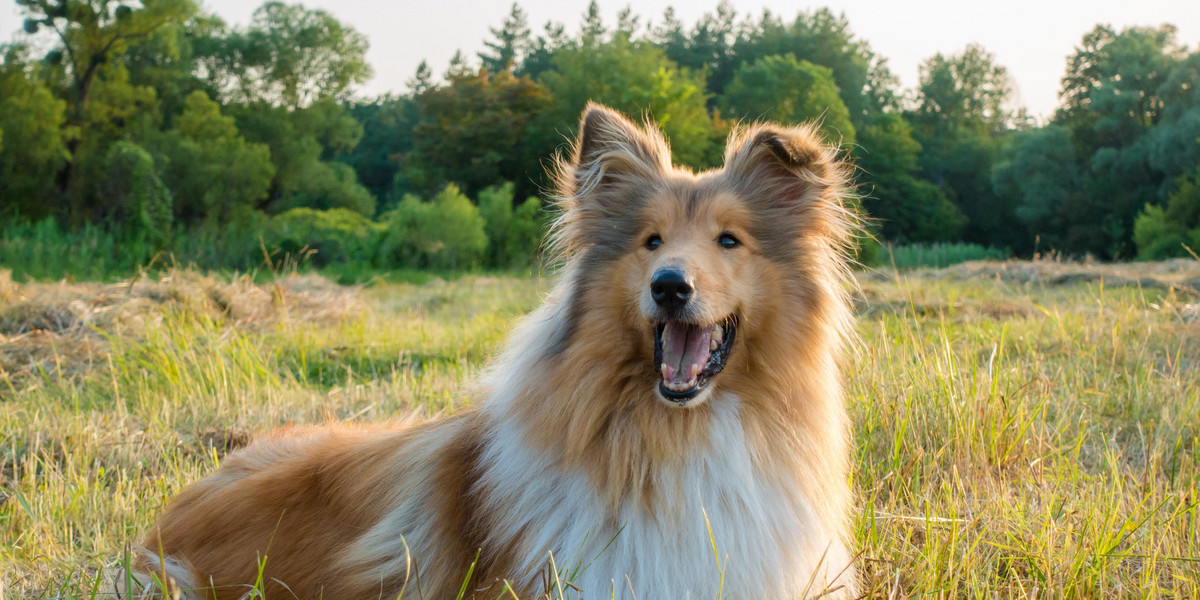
(1015, 438)
(937, 255)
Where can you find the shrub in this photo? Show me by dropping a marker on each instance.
(136, 197)
(325, 237)
(445, 233)
(513, 235)
(1162, 233)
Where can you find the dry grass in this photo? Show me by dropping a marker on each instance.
(56, 330)
(1024, 430)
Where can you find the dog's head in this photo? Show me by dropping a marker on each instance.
(699, 278)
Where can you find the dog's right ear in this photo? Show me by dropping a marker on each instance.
(611, 149)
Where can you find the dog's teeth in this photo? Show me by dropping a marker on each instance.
(718, 334)
(695, 370)
(713, 344)
(664, 372)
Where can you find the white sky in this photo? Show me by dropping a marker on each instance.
(1032, 38)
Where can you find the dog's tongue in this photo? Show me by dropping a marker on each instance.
(685, 352)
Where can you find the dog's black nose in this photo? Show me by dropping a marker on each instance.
(670, 289)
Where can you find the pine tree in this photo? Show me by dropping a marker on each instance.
(592, 33)
(421, 80)
(512, 42)
(628, 23)
(459, 69)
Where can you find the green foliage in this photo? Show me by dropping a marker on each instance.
(480, 129)
(963, 94)
(445, 233)
(297, 140)
(1130, 104)
(387, 125)
(136, 197)
(217, 176)
(1164, 233)
(249, 121)
(511, 42)
(905, 207)
(323, 237)
(291, 56)
(780, 88)
(638, 79)
(940, 255)
(821, 38)
(513, 235)
(33, 121)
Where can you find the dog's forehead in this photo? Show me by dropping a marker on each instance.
(695, 199)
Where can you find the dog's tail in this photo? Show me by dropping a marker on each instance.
(149, 576)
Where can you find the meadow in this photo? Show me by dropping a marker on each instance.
(1022, 429)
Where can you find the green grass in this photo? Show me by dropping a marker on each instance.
(938, 255)
(1012, 441)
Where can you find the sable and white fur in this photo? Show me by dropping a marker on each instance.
(570, 450)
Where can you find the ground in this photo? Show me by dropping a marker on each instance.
(1022, 430)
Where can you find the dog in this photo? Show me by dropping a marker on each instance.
(670, 423)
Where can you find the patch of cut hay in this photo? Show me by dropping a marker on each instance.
(56, 329)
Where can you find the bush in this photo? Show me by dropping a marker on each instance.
(136, 197)
(1162, 233)
(324, 237)
(445, 233)
(513, 235)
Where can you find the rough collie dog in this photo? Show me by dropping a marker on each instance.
(669, 424)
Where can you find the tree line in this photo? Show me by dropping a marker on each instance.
(157, 121)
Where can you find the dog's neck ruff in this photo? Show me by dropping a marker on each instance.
(617, 503)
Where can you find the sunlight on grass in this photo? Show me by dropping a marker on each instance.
(1013, 439)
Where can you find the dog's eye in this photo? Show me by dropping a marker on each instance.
(653, 242)
(727, 241)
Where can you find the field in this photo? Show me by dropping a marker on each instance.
(1023, 430)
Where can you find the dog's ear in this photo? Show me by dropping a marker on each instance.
(794, 180)
(785, 166)
(611, 149)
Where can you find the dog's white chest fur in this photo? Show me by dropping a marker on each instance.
(764, 536)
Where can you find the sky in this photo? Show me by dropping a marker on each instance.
(1031, 38)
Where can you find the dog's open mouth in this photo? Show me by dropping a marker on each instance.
(688, 356)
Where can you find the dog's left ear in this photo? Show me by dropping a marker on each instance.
(788, 169)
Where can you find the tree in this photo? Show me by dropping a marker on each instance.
(963, 94)
(92, 33)
(1128, 104)
(291, 56)
(638, 79)
(1039, 177)
(421, 80)
(511, 43)
(215, 174)
(387, 122)
(33, 122)
(479, 129)
(960, 114)
(821, 38)
(541, 54)
(780, 88)
(302, 142)
(91, 36)
(592, 31)
(907, 208)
